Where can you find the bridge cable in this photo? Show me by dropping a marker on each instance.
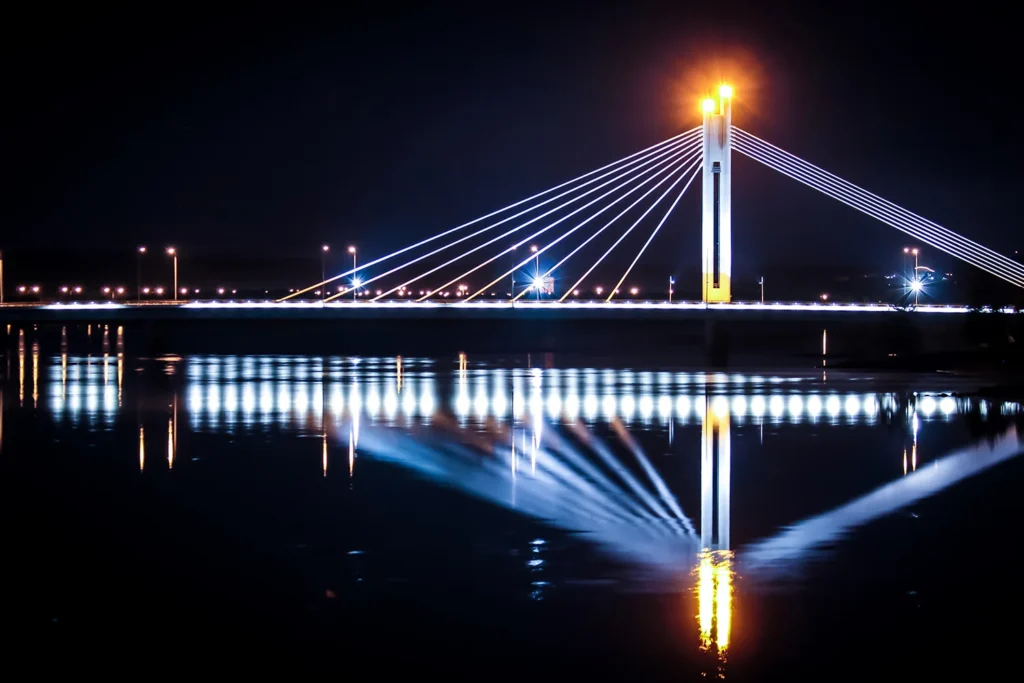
(951, 243)
(594, 235)
(1000, 266)
(971, 258)
(542, 230)
(667, 175)
(630, 229)
(897, 217)
(642, 153)
(913, 217)
(638, 163)
(646, 161)
(655, 232)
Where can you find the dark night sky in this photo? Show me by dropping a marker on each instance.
(271, 131)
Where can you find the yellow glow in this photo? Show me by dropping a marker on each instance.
(714, 599)
(723, 603)
(708, 105)
(725, 91)
(351, 454)
(720, 294)
(142, 448)
(35, 374)
(324, 457)
(170, 444)
(705, 598)
(21, 367)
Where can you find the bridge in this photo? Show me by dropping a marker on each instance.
(651, 182)
(593, 215)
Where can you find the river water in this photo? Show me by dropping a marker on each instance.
(543, 515)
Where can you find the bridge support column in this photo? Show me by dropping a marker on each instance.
(715, 476)
(716, 221)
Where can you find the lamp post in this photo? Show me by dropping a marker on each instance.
(173, 253)
(671, 281)
(355, 278)
(323, 272)
(533, 248)
(761, 282)
(917, 284)
(513, 274)
(138, 273)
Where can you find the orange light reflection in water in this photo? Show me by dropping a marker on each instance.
(714, 600)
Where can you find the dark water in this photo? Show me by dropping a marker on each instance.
(498, 517)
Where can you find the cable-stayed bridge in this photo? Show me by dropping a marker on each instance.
(544, 253)
(595, 213)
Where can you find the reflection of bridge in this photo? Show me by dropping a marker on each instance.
(332, 395)
(302, 394)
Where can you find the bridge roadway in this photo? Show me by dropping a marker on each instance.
(706, 332)
(480, 310)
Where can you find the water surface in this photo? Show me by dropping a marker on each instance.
(547, 512)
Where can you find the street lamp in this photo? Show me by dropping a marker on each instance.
(173, 253)
(355, 279)
(138, 275)
(917, 282)
(671, 281)
(323, 270)
(761, 282)
(914, 282)
(533, 248)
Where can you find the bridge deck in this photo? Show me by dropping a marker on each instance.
(40, 312)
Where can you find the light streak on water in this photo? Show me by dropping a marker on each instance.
(565, 489)
(800, 540)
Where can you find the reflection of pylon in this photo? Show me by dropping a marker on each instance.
(715, 468)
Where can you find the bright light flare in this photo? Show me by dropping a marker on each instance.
(725, 91)
(708, 105)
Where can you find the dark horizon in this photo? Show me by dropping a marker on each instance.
(271, 132)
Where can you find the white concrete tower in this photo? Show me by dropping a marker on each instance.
(716, 222)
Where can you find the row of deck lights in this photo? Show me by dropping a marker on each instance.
(114, 291)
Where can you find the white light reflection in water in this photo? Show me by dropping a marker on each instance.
(228, 393)
(800, 540)
(574, 484)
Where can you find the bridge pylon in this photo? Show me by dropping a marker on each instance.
(716, 219)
